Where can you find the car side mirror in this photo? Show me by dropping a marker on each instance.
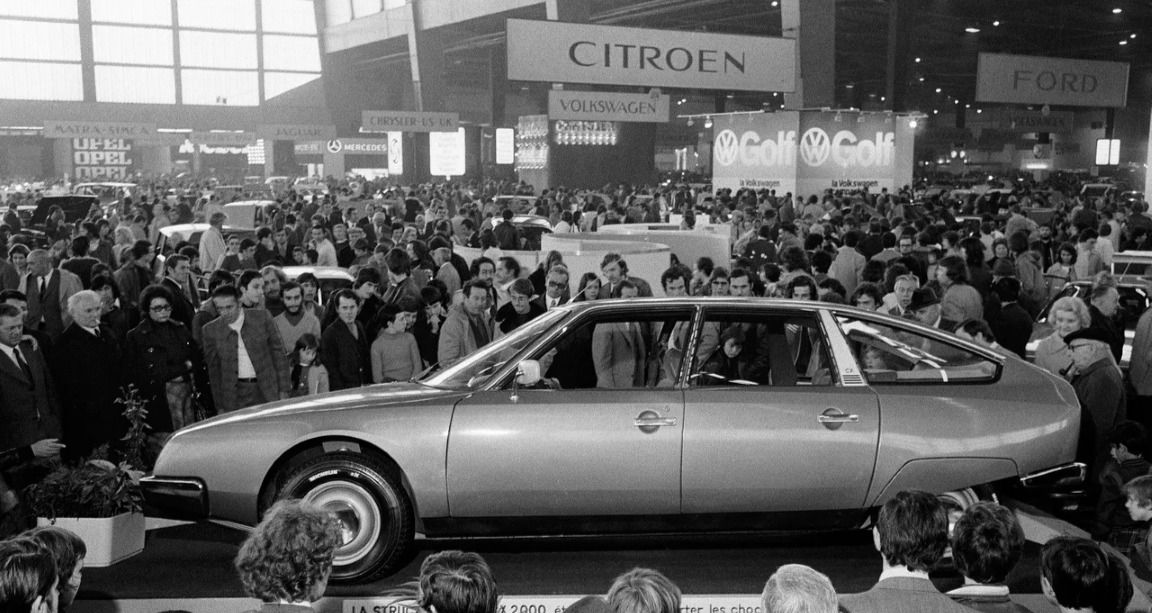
(528, 372)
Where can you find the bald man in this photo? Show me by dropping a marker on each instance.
(48, 290)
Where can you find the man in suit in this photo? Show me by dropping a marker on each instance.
(615, 270)
(618, 350)
(9, 276)
(29, 407)
(556, 292)
(48, 290)
(177, 270)
(88, 374)
(344, 345)
(911, 534)
(244, 354)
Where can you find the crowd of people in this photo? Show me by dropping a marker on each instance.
(926, 567)
(213, 325)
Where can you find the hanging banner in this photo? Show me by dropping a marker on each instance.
(755, 151)
(608, 106)
(223, 139)
(297, 132)
(102, 158)
(395, 153)
(357, 146)
(97, 129)
(557, 52)
(852, 151)
(408, 121)
(1026, 79)
(446, 153)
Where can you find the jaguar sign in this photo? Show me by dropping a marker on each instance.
(832, 151)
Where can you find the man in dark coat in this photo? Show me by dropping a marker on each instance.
(177, 270)
(29, 407)
(48, 290)
(1099, 386)
(88, 376)
(507, 235)
(1103, 304)
(1012, 326)
(344, 345)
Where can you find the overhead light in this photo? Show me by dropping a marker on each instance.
(917, 60)
(708, 122)
(775, 3)
(996, 24)
(691, 122)
(978, 111)
(849, 86)
(912, 123)
(972, 30)
(1117, 11)
(1132, 35)
(957, 101)
(731, 95)
(921, 79)
(937, 90)
(1123, 42)
(935, 111)
(883, 98)
(837, 117)
(967, 106)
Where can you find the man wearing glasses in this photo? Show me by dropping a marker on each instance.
(556, 290)
(1100, 388)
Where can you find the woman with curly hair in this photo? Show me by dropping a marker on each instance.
(287, 558)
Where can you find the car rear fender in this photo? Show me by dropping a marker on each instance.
(939, 475)
(312, 448)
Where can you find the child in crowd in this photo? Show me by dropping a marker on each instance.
(1127, 441)
(1139, 506)
(395, 354)
(308, 375)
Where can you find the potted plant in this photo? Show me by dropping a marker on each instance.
(98, 500)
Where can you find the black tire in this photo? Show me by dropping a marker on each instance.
(374, 508)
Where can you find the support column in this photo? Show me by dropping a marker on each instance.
(426, 57)
(812, 23)
(896, 84)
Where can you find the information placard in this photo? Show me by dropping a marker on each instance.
(608, 106)
(446, 153)
(1028, 79)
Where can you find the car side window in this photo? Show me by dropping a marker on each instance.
(893, 355)
(761, 349)
(616, 352)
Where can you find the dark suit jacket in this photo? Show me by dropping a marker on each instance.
(265, 349)
(182, 308)
(29, 410)
(901, 595)
(643, 290)
(347, 358)
(88, 373)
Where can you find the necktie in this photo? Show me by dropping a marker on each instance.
(804, 355)
(96, 331)
(43, 288)
(23, 365)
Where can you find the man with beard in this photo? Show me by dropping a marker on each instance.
(274, 279)
(295, 321)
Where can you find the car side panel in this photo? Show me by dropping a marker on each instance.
(1027, 416)
(414, 435)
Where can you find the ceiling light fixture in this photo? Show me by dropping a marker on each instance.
(1123, 42)
(708, 122)
(996, 24)
(972, 30)
(1132, 35)
(917, 60)
(1117, 11)
(937, 90)
(912, 123)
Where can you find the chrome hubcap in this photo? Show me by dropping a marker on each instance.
(359, 516)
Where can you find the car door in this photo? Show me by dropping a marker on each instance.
(792, 432)
(590, 449)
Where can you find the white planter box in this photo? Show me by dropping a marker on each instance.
(108, 539)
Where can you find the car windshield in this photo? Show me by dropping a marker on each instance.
(474, 369)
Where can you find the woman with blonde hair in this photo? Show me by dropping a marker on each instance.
(1066, 315)
(643, 590)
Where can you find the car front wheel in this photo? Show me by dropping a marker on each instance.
(375, 513)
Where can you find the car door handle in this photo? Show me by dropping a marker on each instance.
(834, 416)
(649, 422)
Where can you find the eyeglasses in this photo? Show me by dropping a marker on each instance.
(160, 308)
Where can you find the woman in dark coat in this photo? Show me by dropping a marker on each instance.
(162, 359)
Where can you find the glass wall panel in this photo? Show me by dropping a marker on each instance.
(363, 8)
(135, 84)
(127, 45)
(291, 53)
(337, 12)
(223, 87)
(217, 49)
(218, 14)
(276, 83)
(48, 9)
(291, 16)
(40, 81)
(39, 40)
(144, 12)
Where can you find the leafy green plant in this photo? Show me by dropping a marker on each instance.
(96, 488)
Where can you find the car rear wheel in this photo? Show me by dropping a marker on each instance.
(374, 511)
(971, 495)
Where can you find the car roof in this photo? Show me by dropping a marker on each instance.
(321, 272)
